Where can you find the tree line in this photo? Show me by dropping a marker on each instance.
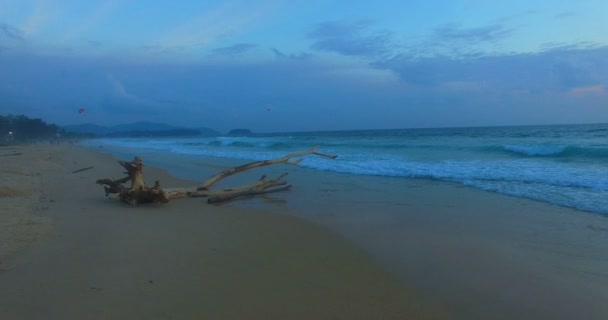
(20, 127)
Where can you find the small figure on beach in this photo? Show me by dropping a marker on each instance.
(56, 138)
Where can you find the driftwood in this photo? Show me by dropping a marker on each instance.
(286, 159)
(138, 192)
(83, 169)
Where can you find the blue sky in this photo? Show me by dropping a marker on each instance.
(305, 65)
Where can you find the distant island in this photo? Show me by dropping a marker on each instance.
(240, 132)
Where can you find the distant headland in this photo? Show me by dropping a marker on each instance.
(240, 132)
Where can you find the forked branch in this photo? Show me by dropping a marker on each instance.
(286, 159)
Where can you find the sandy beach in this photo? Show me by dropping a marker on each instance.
(70, 253)
(477, 254)
(392, 160)
(21, 195)
(337, 246)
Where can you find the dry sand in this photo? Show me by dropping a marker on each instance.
(183, 260)
(21, 194)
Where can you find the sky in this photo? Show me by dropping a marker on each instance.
(305, 65)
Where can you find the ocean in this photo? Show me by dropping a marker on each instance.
(566, 165)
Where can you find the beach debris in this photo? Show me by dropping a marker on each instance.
(140, 193)
(261, 186)
(83, 169)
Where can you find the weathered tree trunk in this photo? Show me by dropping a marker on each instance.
(135, 172)
(139, 193)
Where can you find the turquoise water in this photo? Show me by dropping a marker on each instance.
(563, 165)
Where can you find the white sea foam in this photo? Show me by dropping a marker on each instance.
(570, 171)
(536, 150)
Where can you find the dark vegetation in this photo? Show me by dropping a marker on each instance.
(21, 128)
(139, 129)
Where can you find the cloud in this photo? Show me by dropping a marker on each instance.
(119, 88)
(562, 46)
(465, 86)
(565, 15)
(595, 90)
(457, 42)
(215, 24)
(10, 37)
(95, 17)
(558, 70)
(382, 91)
(133, 100)
(351, 39)
(11, 33)
(454, 33)
(359, 39)
(161, 50)
(234, 49)
(281, 55)
(42, 13)
(92, 43)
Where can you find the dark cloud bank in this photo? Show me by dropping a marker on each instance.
(438, 82)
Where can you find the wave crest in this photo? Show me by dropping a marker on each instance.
(558, 151)
(532, 150)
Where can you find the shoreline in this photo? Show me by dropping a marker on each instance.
(187, 259)
(456, 250)
(479, 254)
(214, 164)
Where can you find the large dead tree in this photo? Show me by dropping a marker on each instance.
(138, 192)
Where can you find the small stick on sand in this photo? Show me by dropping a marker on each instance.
(83, 169)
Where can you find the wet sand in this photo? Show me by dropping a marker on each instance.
(95, 258)
(477, 254)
